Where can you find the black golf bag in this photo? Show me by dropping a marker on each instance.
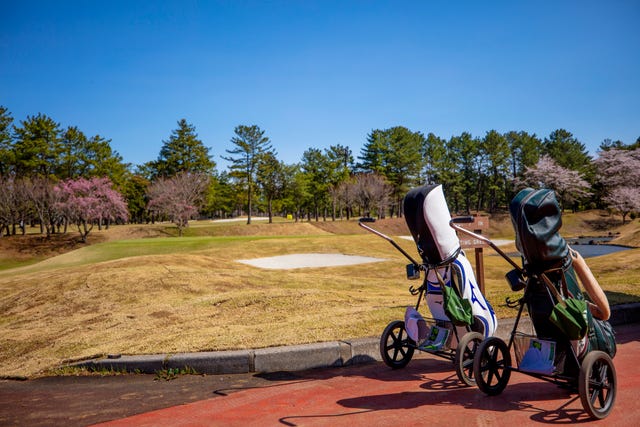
(537, 219)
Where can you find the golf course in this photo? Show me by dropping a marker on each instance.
(140, 289)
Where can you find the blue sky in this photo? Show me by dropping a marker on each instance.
(320, 73)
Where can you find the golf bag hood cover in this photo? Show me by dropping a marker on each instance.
(427, 216)
(537, 218)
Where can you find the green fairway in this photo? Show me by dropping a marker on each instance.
(110, 251)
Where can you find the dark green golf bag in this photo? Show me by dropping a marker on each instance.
(556, 304)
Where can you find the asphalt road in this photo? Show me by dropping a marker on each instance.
(426, 392)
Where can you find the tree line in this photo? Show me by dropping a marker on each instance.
(50, 174)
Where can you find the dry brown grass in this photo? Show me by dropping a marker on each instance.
(193, 301)
(199, 298)
(629, 234)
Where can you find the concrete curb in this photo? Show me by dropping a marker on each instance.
(291, 358)
(271, 359)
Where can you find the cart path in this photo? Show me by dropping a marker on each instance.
(426, 392)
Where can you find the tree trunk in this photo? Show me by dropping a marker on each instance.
(333, 209)
(83, 231)
(249, 204)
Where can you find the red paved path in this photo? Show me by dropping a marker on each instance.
(427, 392)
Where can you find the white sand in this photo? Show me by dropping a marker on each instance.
(287, 262)
(241, 218)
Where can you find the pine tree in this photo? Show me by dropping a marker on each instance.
(250, 145)
(183, 152)
(37, 147)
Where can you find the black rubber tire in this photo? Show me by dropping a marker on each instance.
(492, 366)
(396, 348)
(597, 384)
(467, 348)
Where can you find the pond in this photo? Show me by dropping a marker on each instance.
(594, 246)
(588, 251)
(591, 246)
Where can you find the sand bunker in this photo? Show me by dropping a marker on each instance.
(287, 262)
(241, 218)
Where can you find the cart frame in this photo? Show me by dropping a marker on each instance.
(596, 377)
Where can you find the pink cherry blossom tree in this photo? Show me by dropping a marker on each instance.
(178, 197)
(618, 168)
(619, 173)
(568, 184)
(623, 200)
(86, 202)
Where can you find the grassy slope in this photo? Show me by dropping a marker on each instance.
(157, 295)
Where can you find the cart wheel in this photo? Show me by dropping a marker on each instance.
(597, 385)
(396, 348)
(464, 356)
(492, 366)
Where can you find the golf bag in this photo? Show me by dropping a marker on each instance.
(428, 217)
(556, 304)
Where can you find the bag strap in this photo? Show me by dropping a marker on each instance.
(440, 278)
(453, 286)
(553, 290)
(564, 289)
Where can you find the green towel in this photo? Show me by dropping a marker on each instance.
(570, 316)
(457, 309)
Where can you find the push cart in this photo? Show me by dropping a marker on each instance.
(551, 353)
(460, 317)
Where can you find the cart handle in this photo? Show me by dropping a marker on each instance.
(390, 240)
(465, 219)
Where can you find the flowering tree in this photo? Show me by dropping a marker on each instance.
(178, 197)
(619, 173)
(86, 202)
(618, 168)
(567, 183)
(623, 200)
